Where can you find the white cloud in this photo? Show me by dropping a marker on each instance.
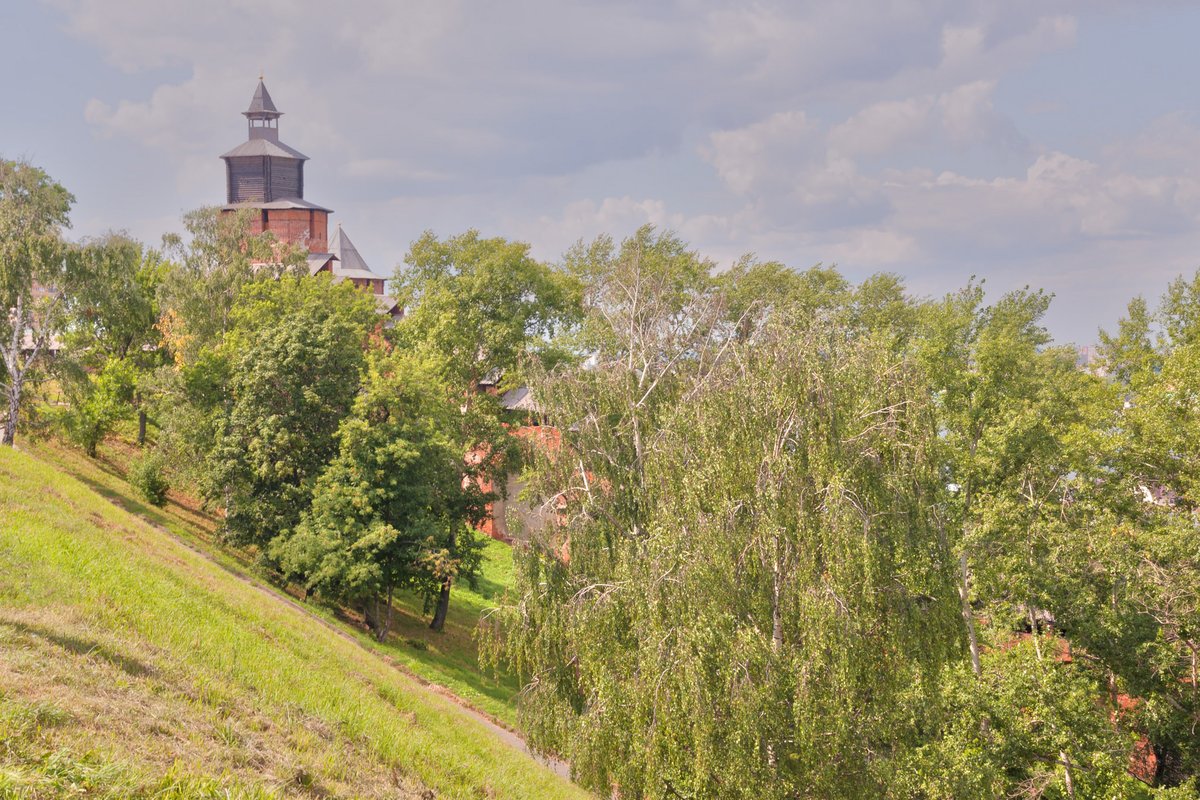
(873, 134)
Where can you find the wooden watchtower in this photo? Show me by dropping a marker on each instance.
(265, 174)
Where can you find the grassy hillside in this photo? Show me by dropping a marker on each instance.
(132, 666)
(448, 658)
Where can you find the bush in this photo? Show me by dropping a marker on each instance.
(147, 476)
(96, 403)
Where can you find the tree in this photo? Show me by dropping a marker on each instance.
(743, 582)
(1131, 595)
(393, 510)
(1045, 736)
(294, 355)
(480, 306)
(981, 365)
(481, 309)
(755, 601)
(1131, 351)
(220, 255)
(196, 297)
(34, 273)
(97, 401)
(113, 313)
(754, 289)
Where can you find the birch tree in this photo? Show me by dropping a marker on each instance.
(743, 594)
(33, 276)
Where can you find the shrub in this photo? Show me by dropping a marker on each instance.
(96, 403)
(147, 476)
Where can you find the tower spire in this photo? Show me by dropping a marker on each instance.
(262, 115)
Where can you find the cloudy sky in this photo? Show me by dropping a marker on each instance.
(1035, 142)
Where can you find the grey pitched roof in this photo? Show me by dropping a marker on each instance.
(350, 263)
(316, 261)
(291, 202)
(265, 147)
(385, 304)
(519, 399)
(262, 104)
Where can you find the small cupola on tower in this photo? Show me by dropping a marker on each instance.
(262, 115)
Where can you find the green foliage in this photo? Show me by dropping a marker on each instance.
(481, 311)
(33, 211)
(196, 296)
(1131, 351)
(147, 475)
(96, 402)
(755, 583)
(392, 510)
(1017, 727)
(754, 289)
(294, 354)
(480, 307)
(1131, 595)
(209, 269)
(113, 309)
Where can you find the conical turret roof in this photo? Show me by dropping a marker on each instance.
(350, 262)
(261, 105)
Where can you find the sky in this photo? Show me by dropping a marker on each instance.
(1054, 144)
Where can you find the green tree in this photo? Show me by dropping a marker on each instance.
(394, 508)
(293, 357)
(203, 278)
(982, 366)
(208, 269)
(1131, 351)
(1045, 735)
(482, 310)
(754, 289)
(479, 306)
(743, 584)
(1132, 579)
(97, 401)
(34, 276)
(113, 312)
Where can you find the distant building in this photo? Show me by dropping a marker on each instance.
(267, 176)
(1088, 359)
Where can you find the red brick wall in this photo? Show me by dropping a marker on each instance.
(373, 286)
(298, 226)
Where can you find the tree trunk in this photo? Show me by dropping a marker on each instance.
(383, 622)
(141, 440)
(1034, 631)
(964, 594)
(14, 411)
(12, 362)
(1068, 777)
(368, 613)
(443, 606)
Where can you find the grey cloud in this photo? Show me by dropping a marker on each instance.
(802, 130)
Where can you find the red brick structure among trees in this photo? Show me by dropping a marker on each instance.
(267, 176)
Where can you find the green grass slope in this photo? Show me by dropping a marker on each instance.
(448, 658)
(132, 666)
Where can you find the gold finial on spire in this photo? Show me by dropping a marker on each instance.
(260, 74)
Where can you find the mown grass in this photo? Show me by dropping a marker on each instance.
(131, 666)
(448, 658)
